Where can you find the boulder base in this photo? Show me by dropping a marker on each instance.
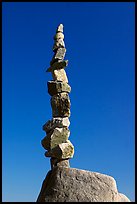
(64, 184)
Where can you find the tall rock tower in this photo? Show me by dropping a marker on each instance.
(56, 142)
(62, 183)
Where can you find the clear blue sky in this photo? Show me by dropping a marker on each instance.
(100, 40)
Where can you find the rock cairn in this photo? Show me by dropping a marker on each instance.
(56, 142)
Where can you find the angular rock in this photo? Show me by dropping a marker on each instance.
(64, 184)
(59, 162)
(60, 104)
(54, 138)
(56, 122)
(58, 43)
(59, 35)
(60, 28)
(58, 65)
(59, 55)
(55, 87)
(59, 75)
(65, 150)
(61, 122)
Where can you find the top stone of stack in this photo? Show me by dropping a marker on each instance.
(59, 37)
(60, 28)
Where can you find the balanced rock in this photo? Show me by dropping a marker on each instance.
(54, 138)
(60, 75)
(59, 162)
(58, 65)
(55, 87)
(59, 55)
(60, 104)
(64, 184)
(59, 35)
(58, 43)
(60, 28)
(64, 150)
(56, 122)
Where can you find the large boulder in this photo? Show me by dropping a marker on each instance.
(64, 184)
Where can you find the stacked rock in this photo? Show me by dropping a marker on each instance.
(56, 142)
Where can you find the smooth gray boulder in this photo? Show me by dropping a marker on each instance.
(64, 184)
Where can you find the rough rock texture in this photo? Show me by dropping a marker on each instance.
(59, 55)
(64, 184)
(58, 43)
(60, 104)
(56, 122)
(64, 150)
(59, 75)
(58, 65)
(55, 87)
(59, 162)
(57, 136)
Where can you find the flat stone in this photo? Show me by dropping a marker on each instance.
(60, 28)
(55, 87)
(54, 138)
(59, 75)
(64, 150)
(60, 104)
(56, 122)
(63, 184)
(59, 35)
(58, 43)
(58, 65)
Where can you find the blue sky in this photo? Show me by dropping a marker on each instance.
(99, 39)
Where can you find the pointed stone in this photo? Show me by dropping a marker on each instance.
(62, 151)
(58, 135)
(56, 122)
(60, 104)
(60, 28)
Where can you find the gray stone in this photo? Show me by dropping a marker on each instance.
(59, 162)
(55, 137)
(55, 87)
(59, 55)
(58, 65)
(60, 104)
(64, 184)
(60, 28)
(58, 43)
(59, 75)
(56, 122)
(64, 150)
